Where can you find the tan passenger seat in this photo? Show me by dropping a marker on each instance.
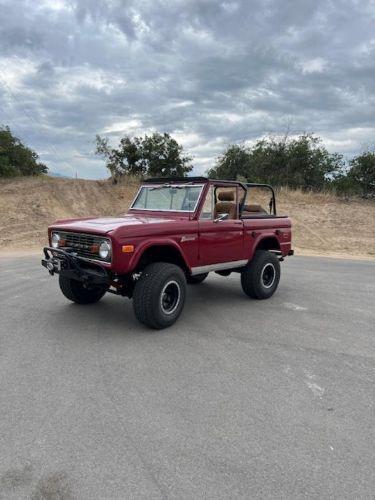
(226, 205)
(253, 209)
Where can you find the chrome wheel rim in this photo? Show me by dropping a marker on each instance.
(268, 275)
(170, 297)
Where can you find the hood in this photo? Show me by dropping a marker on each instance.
(103, 225)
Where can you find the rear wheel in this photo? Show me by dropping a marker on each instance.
(261, 276)
(198, 278)
(159, 295)
(76, 292)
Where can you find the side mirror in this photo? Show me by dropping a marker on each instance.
(221, 217)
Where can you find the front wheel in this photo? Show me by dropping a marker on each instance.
(76, 292)
(159, 295)
(261, 276)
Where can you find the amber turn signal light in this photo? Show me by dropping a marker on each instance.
(128, 248)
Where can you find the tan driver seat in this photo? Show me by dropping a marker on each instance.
(226, 205)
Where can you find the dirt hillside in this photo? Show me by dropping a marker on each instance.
(323, 223)
(28, 205)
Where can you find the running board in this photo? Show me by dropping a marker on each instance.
(222, 266)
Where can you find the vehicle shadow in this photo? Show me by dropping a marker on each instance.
(114, 316)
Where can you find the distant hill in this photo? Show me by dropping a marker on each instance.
(56, 174)
(322, 223)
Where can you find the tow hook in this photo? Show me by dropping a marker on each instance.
(51, 267)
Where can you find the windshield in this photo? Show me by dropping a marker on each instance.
(179, 198)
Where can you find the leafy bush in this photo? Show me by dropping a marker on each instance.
(362, 173)
(300, 162)
(16, 158)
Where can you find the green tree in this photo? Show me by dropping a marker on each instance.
(126, 159)
(232, 164)
(16, 158)
(154, 155)
(362, 173)
(295, 162)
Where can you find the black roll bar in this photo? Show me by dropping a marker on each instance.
(267, 186)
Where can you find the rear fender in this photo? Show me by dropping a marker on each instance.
(265, 241)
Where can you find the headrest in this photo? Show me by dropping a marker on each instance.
(226, 196)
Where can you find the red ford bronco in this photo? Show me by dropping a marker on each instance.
(176, 231)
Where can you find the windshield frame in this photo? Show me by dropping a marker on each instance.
(156, 185)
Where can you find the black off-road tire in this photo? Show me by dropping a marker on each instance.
(195, 280)
(261, 276)
(159, 295)
(76, 292)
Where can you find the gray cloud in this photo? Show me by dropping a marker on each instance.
(209, 72)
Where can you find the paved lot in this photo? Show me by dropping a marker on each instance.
(240, 399)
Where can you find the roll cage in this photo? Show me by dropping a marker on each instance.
(205, 180)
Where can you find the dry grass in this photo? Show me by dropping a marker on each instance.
(29, 205)
(323, 224)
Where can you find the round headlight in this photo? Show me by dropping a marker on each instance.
(55, 240)
(104, 250)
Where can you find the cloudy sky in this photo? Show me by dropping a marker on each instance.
(209, 72)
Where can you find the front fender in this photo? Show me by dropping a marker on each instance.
(143, 246)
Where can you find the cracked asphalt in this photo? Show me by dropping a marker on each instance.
(239, 399)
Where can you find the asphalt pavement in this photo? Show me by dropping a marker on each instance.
(239, 399)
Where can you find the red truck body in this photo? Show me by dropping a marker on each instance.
(200, 243)
(175, 232)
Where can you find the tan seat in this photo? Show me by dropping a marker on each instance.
(251, 209)
(226, 205)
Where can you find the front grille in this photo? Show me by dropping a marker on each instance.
(85, 245)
